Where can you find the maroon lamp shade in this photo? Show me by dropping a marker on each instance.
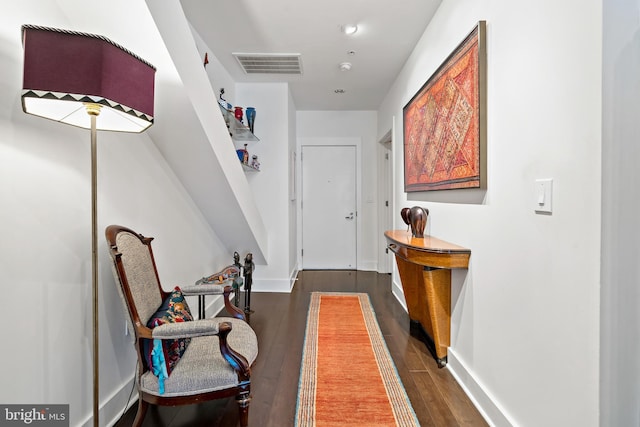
(65, 69)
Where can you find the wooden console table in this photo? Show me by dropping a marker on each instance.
(425, 267)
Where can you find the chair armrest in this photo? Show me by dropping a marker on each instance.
(232, 309)
(208, 289)
(237, 361)
(195, 328)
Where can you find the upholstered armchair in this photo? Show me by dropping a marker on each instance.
(180, 360)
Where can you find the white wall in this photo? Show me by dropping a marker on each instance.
(620, 341)
(218, 75)
(45, 223)
(525, 320)
(270, 186)
(362, 124)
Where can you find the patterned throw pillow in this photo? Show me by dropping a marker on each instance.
(163, 355)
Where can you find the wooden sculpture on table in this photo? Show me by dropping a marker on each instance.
(249, 266)
(237, 282)
(416, 218)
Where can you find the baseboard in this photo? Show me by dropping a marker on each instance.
(368, 266)
(114, 406)
(120, 399)
(272, 285)
(478, 395)
(396, 290)
(294, 277)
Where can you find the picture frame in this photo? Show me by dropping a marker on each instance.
(445, 123)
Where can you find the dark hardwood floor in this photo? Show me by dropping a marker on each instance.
(279, 321)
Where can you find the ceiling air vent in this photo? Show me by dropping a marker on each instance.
(273, 63)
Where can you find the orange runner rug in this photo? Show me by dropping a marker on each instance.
(347, 376)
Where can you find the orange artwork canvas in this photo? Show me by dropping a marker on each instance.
(445, 123)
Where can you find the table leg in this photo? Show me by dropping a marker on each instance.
(427, 291)
(201, 307)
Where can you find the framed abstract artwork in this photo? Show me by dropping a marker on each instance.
(445, 123)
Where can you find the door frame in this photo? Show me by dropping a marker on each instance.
(328, 141)
(385, 194)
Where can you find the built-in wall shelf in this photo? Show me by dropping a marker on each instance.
(238, 131)
(242, 133)
(249, 168)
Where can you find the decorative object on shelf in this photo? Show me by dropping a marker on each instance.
(255, 163)
(243, 155)
(237, 130)
(416, 219)
(225, 107)
(88, 81)
(251, 117)
(238, 113)
(221, 100)
(449, 151)
(206, 59)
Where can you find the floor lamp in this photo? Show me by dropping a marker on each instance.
(87, 81)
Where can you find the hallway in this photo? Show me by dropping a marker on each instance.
(279, 321)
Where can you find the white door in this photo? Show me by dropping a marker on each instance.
(329, 217)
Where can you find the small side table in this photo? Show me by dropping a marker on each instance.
(424, 265)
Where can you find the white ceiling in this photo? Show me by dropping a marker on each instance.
(388, 30)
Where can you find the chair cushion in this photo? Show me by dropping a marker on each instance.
(202, 368)
(162, 356)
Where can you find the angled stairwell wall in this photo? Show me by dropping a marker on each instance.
(192, 136)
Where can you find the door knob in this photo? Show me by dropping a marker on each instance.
(350, 216)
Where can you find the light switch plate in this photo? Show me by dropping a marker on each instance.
(543, 195)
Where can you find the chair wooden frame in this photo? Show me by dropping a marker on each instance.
(142, 332)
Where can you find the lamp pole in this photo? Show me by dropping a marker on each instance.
(94, 110)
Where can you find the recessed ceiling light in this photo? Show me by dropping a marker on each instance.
(349, 29)
(339, 91)
(345, 66)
